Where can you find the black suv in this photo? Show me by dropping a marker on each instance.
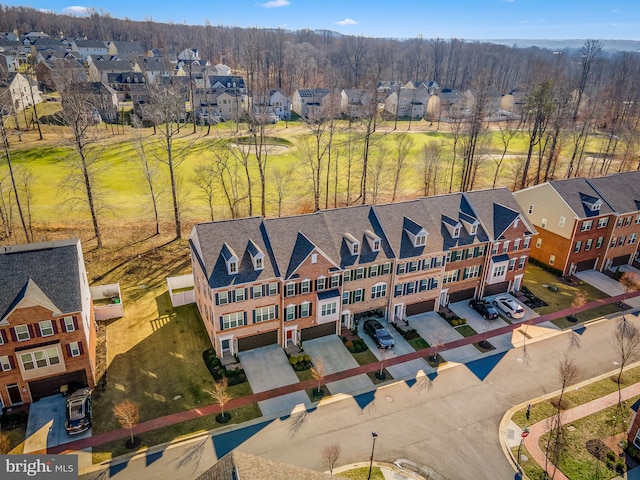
(378, 333)
(78, 412)
(484, 308)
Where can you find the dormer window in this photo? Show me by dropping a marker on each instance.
(233, 267)
(257, 257)
(474, 230)
(373, 240)
(230, 258)
(352, 243)
(421, 240)
(456, 232)
(258, 263)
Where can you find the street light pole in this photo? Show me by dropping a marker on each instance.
(374, 435)
(523, 435)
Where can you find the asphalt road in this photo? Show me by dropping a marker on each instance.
(448, 422)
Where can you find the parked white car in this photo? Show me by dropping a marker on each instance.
(509, 306)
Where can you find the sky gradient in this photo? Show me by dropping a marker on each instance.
(465, 19)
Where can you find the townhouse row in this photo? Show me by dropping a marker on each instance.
(585, 223)
(261, 281)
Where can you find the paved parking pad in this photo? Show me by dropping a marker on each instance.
(480, 325)
(401, 347)
(600, 281)
(336, 358)
(436, 330)
(268, 368)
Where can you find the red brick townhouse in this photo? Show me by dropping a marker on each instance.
(585, 223)
(47, 328)
(286, 280)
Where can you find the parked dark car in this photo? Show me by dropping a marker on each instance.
(484, 308)
(78, 412)
(378, 333)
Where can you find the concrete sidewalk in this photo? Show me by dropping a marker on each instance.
(301, 386)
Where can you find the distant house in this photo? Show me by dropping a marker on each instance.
(24, 92)
(408, 102)
(155, 67)
(276, 103)
(315, 103)
(125, 49)
(105, 100)
(126, 84)
(98, 71)
(189, 54)
(47, 327)
(89, 47)
(357, 103)
(52, 73)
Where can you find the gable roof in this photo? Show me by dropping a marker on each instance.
(621, 191)
(578, 193)
(496, 209)
(46, 273)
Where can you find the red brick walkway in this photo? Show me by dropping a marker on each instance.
(537, 430)
(372, 367)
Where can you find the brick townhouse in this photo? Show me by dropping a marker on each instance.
(47, 328)
(585, 223)
(285, 280)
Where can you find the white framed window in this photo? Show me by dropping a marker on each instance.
(614, 242)
(289, 289)
(328, 309)
(5, 363)
(527, 242)
(264, 313)
(496, 247)
(599, 242)
(577, 247)
(450, 277)
(232, 320)
(256, 291)
(421, 240)
(516, 244)
(359, 273)
(233, 268)
(259, 263)
(538, 243)
(552, 259)
(376, 246)
(46, 328)
(620, 221)
(355, 248)
(290, 313)
(373, 271)
(637, 218)
(530, 209)
(561, 221)
(305, 286)
(22, 332)
(543, 223)
(305, 309)
(499, 270)
(74, 349)
(588, 244)
(358, 295)
(335, 281)
(69, 326)
(603, 222)
(521, 263)
(345, 297)
(379, 290)
(314, 258)
(632, 238)
(471, 272)
(272, 288)
(240, 296)
(586, 225)
(621, 240)
(456, 232)
(346, 276)
(223, 298)
(27, 361)
(512, 264)
(474, 229)
(321, 283)
(401, 268)
(505, 247)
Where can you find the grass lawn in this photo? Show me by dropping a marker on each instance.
(466, 331)
(365, 358)
(528, 464)
(16, 439)
(586, 316)
(535, 278)
(174, 432)
(304, 375)
(362, 474)
(576, 462)
(418, 343)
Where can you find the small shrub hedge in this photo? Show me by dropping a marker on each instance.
(356, 346)
(300, 362)
(456, 322)
(218, 371)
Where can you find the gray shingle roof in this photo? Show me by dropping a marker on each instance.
(576, 191)
(496, 208)
(47, 273)
(621, 191)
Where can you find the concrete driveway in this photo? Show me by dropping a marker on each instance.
(600, 281)
(268, 368)
(45, 428)
(480, 325)
(528, 312)
(336, 358)
(436, 330)
(401, 347)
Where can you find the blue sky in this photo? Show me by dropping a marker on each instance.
(466, 19)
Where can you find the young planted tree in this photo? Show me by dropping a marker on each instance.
(403, 145)
(430, 160)
(282, 179)
(630, 281)
(204, 178)
(127, 413)
(317, 371)
(330, 455)
(220, 393)
(626, 341)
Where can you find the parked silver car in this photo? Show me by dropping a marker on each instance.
(509, 306)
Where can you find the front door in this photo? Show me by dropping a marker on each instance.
(14, 394)
(398, 312)
(444, 298)
(226, 346)
(517, 283)
(291, 337)
(345, 320)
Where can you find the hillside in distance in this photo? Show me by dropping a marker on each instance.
(576, 44)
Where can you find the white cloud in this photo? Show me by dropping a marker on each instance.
(276, 3)
(76, 10)
(346, 21)
(45, 10)
(508, 1)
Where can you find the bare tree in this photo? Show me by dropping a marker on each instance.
(539, 107)
(204, 178)
(630, 281)
(227, 168)
(317, 371)
(403, 144)
(148, 168)
(330, 455)
(626, 341)
(127, 413)
(282, 179)
(430, 159)
(220, 393)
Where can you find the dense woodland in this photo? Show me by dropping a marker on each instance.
(568, 99)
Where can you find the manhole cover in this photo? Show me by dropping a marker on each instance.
(388, 398)
(520, 360)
